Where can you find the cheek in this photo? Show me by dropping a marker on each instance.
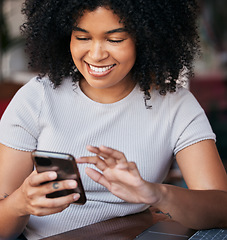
(127, 55)
(127, 59)
(76, 51)
(72, 50)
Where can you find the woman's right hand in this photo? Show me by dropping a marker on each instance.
(33, 193)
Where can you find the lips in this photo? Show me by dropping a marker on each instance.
(99, 71)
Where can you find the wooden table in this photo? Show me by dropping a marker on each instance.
(120, 228)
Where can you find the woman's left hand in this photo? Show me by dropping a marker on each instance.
(119, 176)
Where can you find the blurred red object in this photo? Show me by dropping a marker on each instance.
(210, 91)
(7, 91)
(3, 105)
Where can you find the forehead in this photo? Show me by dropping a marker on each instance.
(101, 17)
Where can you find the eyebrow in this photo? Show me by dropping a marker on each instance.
(117, 30)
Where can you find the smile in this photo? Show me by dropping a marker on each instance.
(100, 69)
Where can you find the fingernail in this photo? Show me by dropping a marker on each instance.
(105, 147)
(72, 184)
(76, 196)
(52, 175)
(79, 159)
(91, 146)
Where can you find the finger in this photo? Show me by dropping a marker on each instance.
(97, 177)
(48, 211)
(123, 166)
(133, 169)
(54, 186)
(94, 149)
(60, 202)
(45, 206)
(129, 166)
(110, 162)
(37, 178)
(110, 152)
(99, 163)
(97, 151)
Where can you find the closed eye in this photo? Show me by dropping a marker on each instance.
(82, 38)
(115, 41)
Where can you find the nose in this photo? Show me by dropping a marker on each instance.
(97, 51)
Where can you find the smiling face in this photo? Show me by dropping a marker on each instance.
(103, 51)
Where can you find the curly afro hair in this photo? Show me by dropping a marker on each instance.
(165, 34)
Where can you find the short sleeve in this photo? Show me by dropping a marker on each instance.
(188, 121)
(19, 125)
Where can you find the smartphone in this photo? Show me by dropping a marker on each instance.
(66, 168)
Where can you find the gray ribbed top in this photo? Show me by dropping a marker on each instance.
(66, 120)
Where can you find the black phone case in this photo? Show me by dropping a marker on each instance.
(65, 167)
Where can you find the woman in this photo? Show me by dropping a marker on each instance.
(110, 75)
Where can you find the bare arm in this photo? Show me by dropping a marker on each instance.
(202, 169)
(12, 175)
(21, 193)
(197, 209)
(203, 206)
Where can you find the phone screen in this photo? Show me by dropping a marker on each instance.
(65, 167)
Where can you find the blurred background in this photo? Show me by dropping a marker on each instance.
(209, 85)
(210, 82)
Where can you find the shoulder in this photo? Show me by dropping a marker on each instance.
(182, 98)
(39, 83)
(181, 93)
(34, 86)
(30, 96)
(41, 86)
(183, 106)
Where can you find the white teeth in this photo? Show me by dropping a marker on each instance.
(100, 69)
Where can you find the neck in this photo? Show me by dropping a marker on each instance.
(107, 95)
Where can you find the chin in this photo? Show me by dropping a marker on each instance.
(99, 84)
